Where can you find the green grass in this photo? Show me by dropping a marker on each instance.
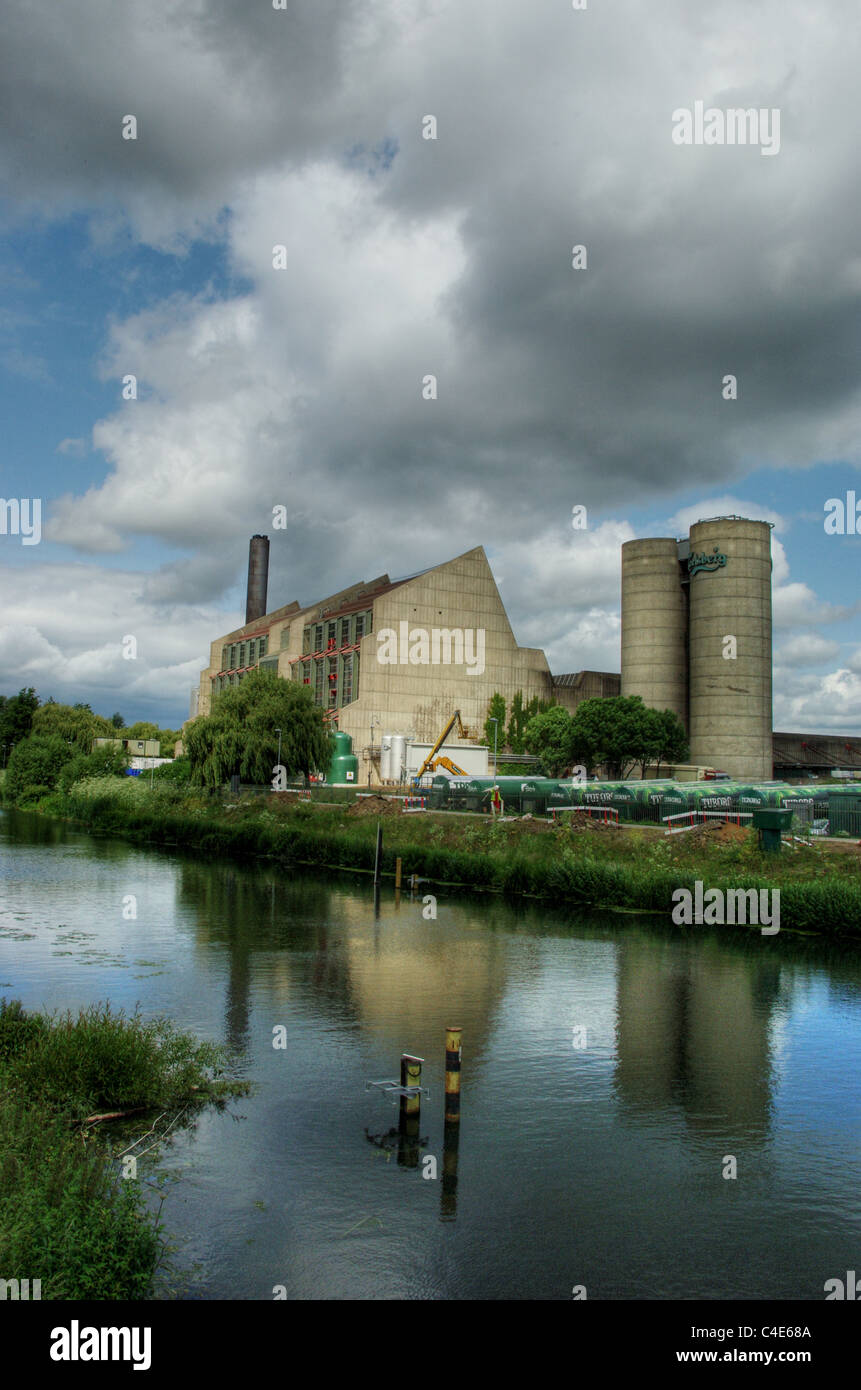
(67, 1216)
(632, 869)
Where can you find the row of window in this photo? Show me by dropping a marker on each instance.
(220, 683)
(247, 653)
(338, 632)
(334, 680)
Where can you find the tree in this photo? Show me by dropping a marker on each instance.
(671, 741)
(550, 736)
(34, 767)
(144, 728)
(239, 738)
(118, 721)
(16, 715)
(495, 710)
(521, 713)
(76, 724)
(104, 761)
(614, 732)
(167, 739)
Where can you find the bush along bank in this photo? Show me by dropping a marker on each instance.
(72, 1215)
(579, 864)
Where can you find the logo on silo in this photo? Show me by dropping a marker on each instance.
(715, 561)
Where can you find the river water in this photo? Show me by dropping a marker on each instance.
(599, 1165)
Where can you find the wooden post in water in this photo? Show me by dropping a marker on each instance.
(452, 1074)
(378, 858)
(398, 874)
(410, 1117)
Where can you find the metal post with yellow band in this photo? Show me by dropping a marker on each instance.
(411, 1075)
(452, 1074)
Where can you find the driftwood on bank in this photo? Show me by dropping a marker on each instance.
(113, 1115)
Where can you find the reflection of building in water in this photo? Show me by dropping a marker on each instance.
(693, 1032)
(401, 978)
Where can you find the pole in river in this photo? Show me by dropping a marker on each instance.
(410, 1116)
(378, 858)
(451, 1126)
(453, 1052)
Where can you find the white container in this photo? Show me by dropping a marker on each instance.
(386, 758)
(399, 757)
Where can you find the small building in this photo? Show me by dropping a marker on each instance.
(136, 747)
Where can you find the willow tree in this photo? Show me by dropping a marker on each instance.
(240, 738)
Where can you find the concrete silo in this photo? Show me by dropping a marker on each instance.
(730, 695)
(654, 625)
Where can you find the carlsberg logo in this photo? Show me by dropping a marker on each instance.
(446, 646)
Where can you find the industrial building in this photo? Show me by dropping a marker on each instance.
(390, 660)
(696, 638)
(394, 656)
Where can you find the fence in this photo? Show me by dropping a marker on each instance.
(602, 813)
(696, 817)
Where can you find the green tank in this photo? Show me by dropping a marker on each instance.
(344, 767)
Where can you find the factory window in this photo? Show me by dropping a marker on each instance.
(318, 681)
(347, 682)
(331, 632)
(252, 652)
(344, 638)
(264, 643)
(360, 627)
(318, 638)
(306, 641)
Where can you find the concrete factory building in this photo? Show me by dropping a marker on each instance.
(395, 656)
(696, 638)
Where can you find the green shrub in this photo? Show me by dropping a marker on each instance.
(65, 1216)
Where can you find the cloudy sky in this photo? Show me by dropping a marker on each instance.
(302, 386)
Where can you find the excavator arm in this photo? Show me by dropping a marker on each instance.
(429, 764)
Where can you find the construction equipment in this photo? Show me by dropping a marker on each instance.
(431, 761)
(449, 767)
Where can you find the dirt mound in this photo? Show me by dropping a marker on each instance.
(375, 806)
(717, 832)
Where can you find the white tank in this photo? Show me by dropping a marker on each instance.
(399, 757)
(386, 758)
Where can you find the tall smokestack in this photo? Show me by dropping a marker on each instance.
(258, 578)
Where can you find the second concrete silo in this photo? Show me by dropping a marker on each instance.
(654, 625)
(730, 695)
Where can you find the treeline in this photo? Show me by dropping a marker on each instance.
(615, 734)
(263, 724)
(48, 747)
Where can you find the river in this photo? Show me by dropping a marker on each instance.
(593, 1159)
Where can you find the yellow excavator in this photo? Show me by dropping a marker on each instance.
(432, 762)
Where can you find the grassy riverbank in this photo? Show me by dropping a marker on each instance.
(575, 864)
(71, 1214)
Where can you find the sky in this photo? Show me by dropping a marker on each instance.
(297, 379)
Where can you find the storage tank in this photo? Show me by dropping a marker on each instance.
(730, 596)
(398, 757)
(344, 767)
(386, 758)
(654, 625)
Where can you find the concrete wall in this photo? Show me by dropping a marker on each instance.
(420, 699)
